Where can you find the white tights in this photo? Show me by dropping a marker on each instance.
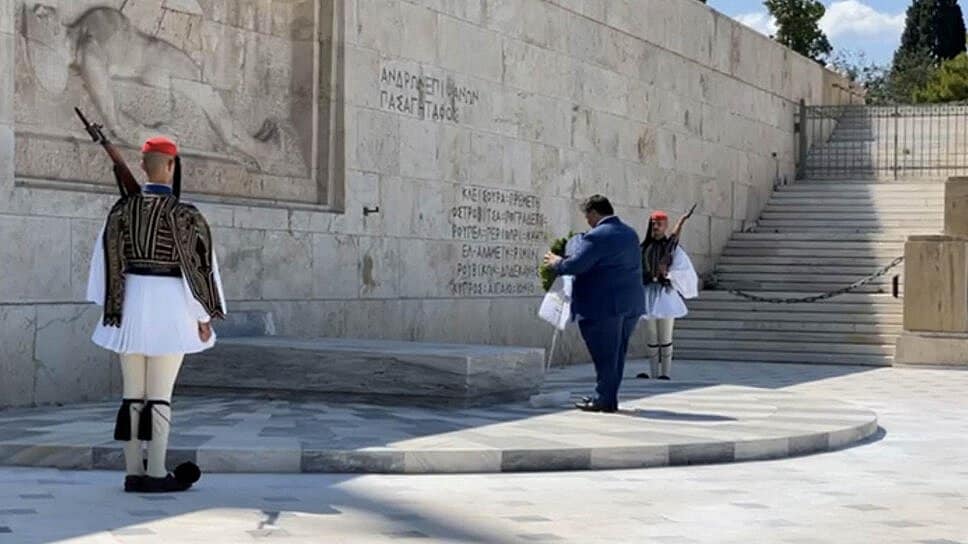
(660, 345)
(148, 379)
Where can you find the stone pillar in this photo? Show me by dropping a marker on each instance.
(936, 288)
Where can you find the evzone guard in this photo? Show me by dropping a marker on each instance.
(669, 277)
(155, 274)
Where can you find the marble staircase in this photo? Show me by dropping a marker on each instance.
(813, 237)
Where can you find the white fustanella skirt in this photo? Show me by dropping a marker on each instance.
(668, 302)
(158, 318)
(663, 303)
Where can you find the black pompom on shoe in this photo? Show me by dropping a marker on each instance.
(188, 473)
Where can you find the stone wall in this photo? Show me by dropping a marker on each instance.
(410, 176)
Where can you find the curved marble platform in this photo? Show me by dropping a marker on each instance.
(661, 424)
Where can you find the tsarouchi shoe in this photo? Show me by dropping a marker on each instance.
(133, 483)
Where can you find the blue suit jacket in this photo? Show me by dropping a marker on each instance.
(608, 272)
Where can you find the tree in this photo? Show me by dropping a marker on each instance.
(798, 26)
(935, 27)
(950, 30)
(911, 72)
(948, 84)
(855, 66)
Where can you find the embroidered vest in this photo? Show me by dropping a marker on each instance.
(158, 234)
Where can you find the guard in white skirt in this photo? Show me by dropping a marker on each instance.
(155, 274)
(669, 277)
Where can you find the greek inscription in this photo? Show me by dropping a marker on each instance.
(503, 235)
(424, 96)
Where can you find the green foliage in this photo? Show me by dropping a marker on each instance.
(798, 26)
(911, 73)
(933, 28)
(950, 30)
(873, 77)
(546, 274)
(949, 83)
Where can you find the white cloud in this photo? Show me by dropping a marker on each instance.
(843, 18)
(761, 22)
(854, 18)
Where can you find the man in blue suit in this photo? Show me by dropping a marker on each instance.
(608, 298)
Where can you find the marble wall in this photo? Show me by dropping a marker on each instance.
(449, 140)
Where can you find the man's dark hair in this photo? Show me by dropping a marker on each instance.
(597, 203)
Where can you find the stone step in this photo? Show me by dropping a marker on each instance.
(794, 238)
(785, 313)
(848, 298)
(917, 203)
(883, 177)
(902, 205)
(803, 289)
(837, 305)
(861, 187)
(914, 217)
(701, 353)
(824, 282)
(834, 230)
(881, 257)
(834, 189)
(864, 261)
(835, 177)
(918, 224)
(802, 337)
(763, 269)
(729, 345)
(788, 327)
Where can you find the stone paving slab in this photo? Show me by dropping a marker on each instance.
(660, 424)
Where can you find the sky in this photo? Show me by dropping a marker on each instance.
(870, 26)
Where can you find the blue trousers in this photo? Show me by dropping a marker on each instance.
(608, 341)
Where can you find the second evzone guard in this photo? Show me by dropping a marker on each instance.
(669, 277)
(155, 274)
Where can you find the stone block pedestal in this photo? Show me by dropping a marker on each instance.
(373, 371)
(936, 288)
(931, 348)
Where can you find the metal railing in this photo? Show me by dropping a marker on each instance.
(882, 142)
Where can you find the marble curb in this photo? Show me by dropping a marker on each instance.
(448, 461)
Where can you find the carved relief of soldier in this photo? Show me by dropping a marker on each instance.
(139, 83)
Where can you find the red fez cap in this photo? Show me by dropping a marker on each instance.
(160, 144)
(659, 215)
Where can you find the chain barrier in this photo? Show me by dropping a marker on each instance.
(814, 298)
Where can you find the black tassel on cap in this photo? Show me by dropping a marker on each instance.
(176, 181)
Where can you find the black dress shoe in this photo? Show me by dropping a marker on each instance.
(664, 378)
(168, 484)
(642, 376)
(134, 484)
(590, 405)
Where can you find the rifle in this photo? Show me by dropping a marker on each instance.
(127, 185)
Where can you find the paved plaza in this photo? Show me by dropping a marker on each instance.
(693, 420)
(906, 484)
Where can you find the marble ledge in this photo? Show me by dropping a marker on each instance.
(242, 202)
